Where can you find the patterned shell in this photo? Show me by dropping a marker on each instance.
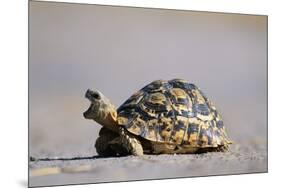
(174, 112)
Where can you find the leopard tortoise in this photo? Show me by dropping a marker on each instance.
(164, 117)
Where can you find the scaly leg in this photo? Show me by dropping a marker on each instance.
(132, 144)
(102, 143)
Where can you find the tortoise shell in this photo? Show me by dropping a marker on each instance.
(173, 112)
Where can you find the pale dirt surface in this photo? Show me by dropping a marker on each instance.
(240, 159)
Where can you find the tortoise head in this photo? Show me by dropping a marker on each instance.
(101, 109)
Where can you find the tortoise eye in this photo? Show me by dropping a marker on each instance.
(95, 95)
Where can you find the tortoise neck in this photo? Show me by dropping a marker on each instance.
(108, 118)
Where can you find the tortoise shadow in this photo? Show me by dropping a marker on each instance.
(33, 159)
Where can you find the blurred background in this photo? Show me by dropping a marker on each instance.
(118, 50)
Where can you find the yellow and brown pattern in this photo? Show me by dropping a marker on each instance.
(173, 112)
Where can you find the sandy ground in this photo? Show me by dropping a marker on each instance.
(84, 169)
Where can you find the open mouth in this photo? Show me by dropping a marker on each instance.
(87, 112)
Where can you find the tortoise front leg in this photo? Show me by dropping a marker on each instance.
(132, 144)
(102, 143)
(109, 144)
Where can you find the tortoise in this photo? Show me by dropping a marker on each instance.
(164, 117)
